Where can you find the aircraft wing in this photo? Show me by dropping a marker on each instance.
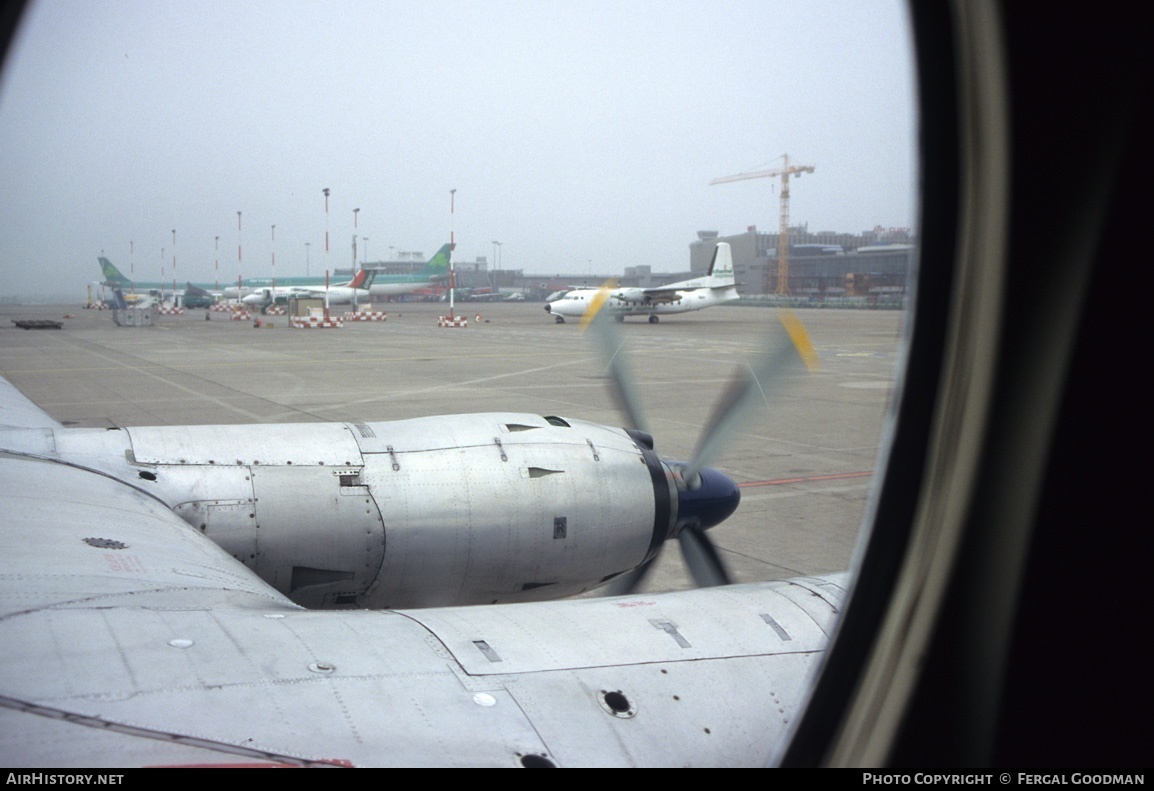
(652, 295)
(16, 411)
(663, 294)
(129, 638)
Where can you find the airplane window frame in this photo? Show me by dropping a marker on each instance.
(995, 86)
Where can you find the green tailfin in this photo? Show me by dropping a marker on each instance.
(111, 273)
(438, 265)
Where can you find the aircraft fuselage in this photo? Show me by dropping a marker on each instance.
(576, 302)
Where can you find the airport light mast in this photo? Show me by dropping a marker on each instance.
(173, 266)
(355, 213)
(239, 260)
(452, 247)
(326, 192)
(496, 264)
(783, 233)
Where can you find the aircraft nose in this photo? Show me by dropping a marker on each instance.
(707, 501)
(548, 308)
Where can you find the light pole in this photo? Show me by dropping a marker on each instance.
(239, 260)
(355, 213)
(326, 192)
(452, 247)
(307, 245)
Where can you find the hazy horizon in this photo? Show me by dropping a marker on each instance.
(582, 136)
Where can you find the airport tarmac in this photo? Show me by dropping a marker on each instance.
(805, 460)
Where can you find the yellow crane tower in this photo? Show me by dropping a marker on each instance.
(783, 235)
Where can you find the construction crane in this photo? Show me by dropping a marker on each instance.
(783, 236)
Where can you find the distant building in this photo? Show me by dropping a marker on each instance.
(824, 264)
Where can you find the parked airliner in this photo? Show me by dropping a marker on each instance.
(715, 288)
(357, 288)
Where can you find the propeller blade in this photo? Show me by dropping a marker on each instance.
(609, 346)
(752, 384)
(597, 303)
(630, 581)
(701, 556)
(706, 497)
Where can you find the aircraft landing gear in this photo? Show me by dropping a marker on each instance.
(653, 319)
(558, 319)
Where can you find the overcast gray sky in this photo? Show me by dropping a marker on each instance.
(582, 135)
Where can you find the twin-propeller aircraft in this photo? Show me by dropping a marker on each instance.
(715, 288)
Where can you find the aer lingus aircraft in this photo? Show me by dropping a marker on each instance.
(435, 270)
(113, 277)
(715, 288)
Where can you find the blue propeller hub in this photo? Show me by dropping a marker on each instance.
(706, 500)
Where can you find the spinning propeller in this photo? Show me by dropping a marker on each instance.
(705, 496)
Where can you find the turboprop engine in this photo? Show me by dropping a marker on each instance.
(461, 509)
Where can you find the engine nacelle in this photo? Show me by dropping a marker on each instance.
(461, 509)
(630, 294)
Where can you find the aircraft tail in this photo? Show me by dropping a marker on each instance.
(363, 279)
(111, 273)
(438, 266)
(721, 267)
